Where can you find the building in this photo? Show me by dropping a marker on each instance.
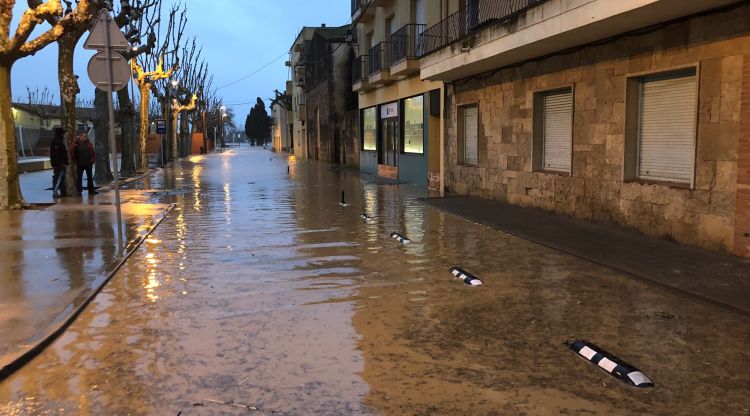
(400, 112)
(281, 136)
(331, 105)
(35, 125)
(628, 112)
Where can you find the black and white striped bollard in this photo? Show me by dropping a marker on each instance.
(467, 277)
(366, 218)
(343, 200)
(611, 364)
(401, 239)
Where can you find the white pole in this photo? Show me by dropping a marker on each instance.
(20, 136)
(112, 141)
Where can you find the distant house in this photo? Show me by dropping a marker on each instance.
(35, 124)
(281, 129)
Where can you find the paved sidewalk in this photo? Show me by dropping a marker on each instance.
(712, 276)
(56, 255)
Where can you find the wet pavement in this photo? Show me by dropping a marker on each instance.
(260, 294)
(54, 256)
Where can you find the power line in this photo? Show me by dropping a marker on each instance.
(254, 72)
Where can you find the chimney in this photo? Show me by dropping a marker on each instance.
(322, 25)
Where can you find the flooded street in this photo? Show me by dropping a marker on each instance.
(261, 294)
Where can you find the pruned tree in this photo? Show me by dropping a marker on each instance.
(12, 48)
(189, 84)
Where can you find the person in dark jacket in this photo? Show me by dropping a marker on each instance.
(84, 155)
(58, 156)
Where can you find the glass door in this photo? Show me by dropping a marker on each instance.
(389, 141)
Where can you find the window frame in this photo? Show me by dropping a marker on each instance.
(633, 117)
(402, 133)
(538, 131)
(461, 133)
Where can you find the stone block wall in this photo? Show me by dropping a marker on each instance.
(716, 44)
(742, 219)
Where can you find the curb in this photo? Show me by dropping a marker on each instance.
(63, 320)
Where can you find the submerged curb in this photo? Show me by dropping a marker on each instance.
(14, 361)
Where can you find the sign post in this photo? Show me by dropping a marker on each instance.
(109, 72)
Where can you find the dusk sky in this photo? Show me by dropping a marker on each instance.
(239, 37)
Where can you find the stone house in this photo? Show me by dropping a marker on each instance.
(635, 113)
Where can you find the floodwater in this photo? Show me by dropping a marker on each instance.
(260, 294)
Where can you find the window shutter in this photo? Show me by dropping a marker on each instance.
(558, 130)
(666, 146)
(470, 135)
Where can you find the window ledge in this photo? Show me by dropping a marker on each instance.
(678, 185)
(554, 172)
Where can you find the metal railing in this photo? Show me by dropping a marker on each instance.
(378, 58)
(358, 4)
(405, 42)
(474, 16)
(358, 68)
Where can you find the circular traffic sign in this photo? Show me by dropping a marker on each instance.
(98, 71)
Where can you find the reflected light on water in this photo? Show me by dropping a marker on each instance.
(228, 203)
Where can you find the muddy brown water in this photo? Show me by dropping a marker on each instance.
(259, 294)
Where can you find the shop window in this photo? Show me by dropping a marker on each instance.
(369, 128)
(414, 125)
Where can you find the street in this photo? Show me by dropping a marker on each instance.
(261, 294)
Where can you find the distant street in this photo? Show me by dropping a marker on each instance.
(261, 294)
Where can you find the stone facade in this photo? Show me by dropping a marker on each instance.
(742, 232)
(716, 44)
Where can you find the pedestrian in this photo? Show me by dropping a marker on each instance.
(84, 155)
(58, 156)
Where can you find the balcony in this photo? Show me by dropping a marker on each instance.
(360, 82)
(379, 64)
(470, 19)
(404, 50)
(362, 11)
(491, 34)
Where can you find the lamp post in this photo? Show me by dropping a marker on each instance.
(221, 124)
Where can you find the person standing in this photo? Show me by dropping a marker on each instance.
(58, 156)
(85, 156)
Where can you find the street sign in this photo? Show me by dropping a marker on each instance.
(97, 39)
(98, 69)
(161, 126)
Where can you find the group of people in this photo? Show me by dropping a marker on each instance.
(82, 153)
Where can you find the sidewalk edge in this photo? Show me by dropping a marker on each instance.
(63, 321)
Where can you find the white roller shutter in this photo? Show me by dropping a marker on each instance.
(666, 145)
(558, 130)
(470, 136)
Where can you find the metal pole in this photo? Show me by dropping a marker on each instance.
(112, 141)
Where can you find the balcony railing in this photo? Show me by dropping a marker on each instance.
(358, 69)
(358, 4)
(378, 58)
(405, 43)
(471, 18)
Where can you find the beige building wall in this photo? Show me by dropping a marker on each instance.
(717, 45)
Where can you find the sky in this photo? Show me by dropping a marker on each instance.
(238, 37)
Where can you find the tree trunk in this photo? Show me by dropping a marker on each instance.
(68, 92)
(126, 127)
(175, 147)
(145, 90)
(103, 170)
(185, 135)
(10, 187)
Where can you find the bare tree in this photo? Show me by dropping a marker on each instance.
(136, 18)
(15, 47)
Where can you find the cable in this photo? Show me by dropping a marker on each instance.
(254, 72)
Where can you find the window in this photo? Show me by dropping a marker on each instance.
(414, 125)
(369, 128)
(553, 130)
(660, 131)
(468, 148)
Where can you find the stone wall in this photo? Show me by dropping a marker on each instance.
(742, 231)
(715, 43)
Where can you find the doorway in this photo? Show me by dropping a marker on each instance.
(389, 142)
